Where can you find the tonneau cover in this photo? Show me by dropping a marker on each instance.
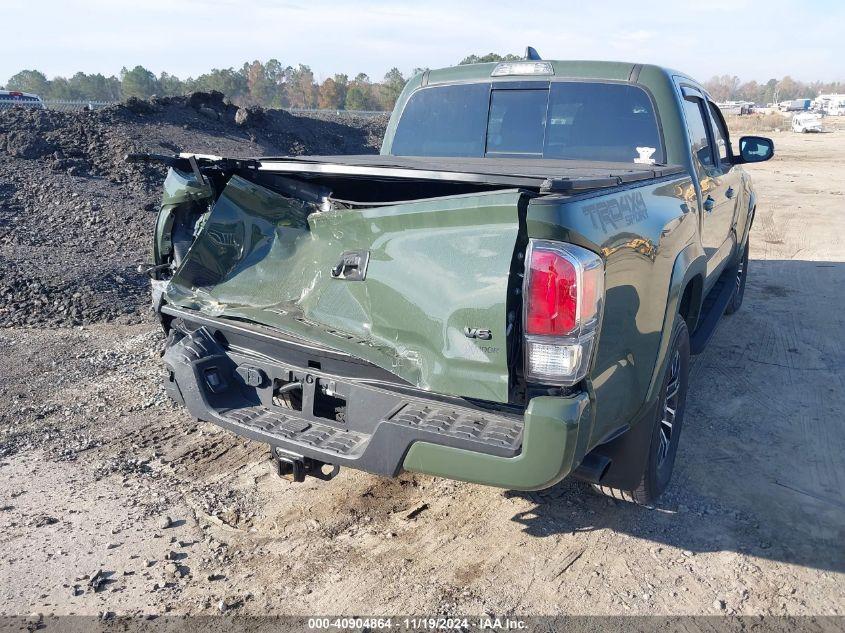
(549, 174)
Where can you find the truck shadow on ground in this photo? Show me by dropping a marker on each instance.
(761, 460)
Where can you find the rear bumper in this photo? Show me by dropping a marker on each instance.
(549, 450)
(221, 373)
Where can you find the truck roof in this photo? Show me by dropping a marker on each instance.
(574, 69)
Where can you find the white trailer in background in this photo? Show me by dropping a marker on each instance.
(11, 98)
(830, 104)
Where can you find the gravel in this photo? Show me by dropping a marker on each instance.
(76, 221)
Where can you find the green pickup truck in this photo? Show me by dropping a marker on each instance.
(508, 294)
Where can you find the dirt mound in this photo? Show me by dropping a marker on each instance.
(75, 220)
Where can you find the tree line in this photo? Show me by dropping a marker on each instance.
(730, 88)
(269, 84)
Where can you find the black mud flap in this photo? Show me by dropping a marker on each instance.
(627, 454)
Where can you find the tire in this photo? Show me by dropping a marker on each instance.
(668, 423)
(739, 285)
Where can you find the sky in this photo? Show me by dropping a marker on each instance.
(753, 39)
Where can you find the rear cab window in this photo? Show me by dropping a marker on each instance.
(517, 122)
(579, 120)
(443, 121)
(604, 122)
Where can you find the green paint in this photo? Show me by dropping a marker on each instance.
(549, 450)
(180, 190)
(436, 267)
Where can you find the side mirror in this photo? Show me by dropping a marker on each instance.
(754, 149)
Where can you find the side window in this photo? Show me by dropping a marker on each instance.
(698, 131)
(720, 134)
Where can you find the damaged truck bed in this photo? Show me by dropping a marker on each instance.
(391, 282)
(505, 318)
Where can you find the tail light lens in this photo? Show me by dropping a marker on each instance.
(564, 289)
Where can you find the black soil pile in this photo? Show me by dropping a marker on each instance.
(75, 220)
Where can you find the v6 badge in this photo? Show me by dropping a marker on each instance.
(472, 332)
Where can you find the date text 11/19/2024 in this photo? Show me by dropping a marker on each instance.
(419, 623)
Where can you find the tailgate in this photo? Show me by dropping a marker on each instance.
(411, 287)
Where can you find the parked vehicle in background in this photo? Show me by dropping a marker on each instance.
(509, 294)
(807, 122)
(830, 104)
(10, 98)
(795, 105)
(736, 107)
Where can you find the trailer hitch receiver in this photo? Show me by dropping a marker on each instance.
(295, 467)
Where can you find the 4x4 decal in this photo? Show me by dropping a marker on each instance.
(625, 210)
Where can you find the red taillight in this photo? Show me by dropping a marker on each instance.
(564, 289)
(552, 298)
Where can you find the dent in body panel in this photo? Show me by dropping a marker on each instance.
(435, 267)
(639, 232)
(183, 187)
(181, 190)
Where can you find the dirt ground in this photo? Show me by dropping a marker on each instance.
(113, 500)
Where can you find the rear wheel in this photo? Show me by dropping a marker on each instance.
(739, 283)
(667, 425)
